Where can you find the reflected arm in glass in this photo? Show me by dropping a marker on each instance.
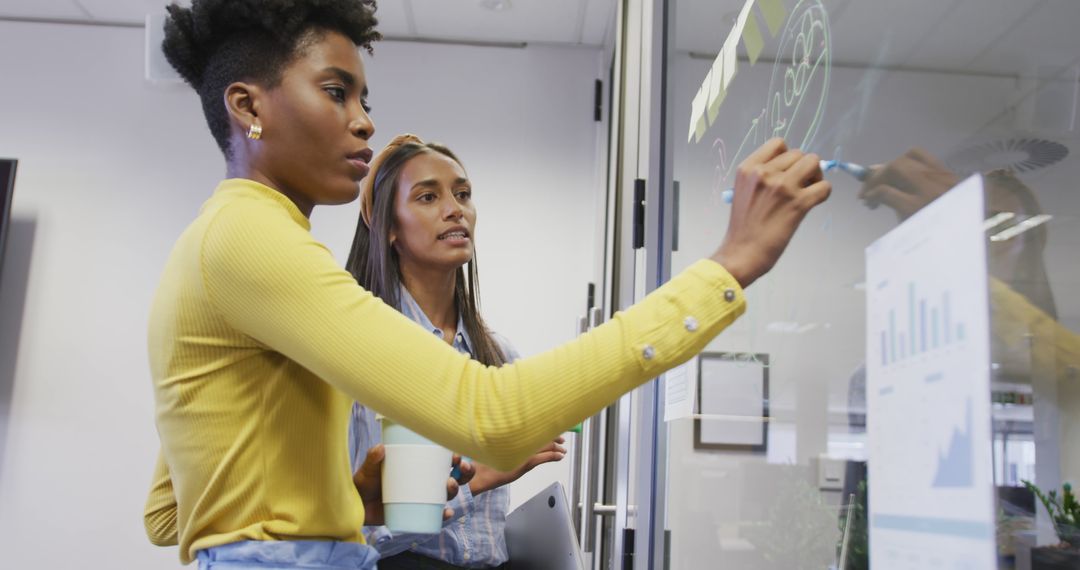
(907, 183)
(1020, 293)
(1020, 325)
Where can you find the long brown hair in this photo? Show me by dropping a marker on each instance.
(374, 262)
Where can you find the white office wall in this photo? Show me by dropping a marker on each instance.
(111, 170)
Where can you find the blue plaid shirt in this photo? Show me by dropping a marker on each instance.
(474, 536)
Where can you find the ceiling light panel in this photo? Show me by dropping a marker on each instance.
(996, 220)
(545, 21)
(1013, 231)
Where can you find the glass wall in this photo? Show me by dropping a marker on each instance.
(867, 418)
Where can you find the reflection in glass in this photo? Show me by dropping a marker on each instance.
(924, 94)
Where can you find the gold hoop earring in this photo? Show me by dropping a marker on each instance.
(254, 132)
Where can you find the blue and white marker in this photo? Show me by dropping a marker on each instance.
(857, 171)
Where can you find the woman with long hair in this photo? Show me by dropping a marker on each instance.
(415, 248)
(259, 342)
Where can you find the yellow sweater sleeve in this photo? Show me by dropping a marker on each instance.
(273, 282)
(1019, 324)
(159, 516)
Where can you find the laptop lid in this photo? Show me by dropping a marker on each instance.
(540, 533)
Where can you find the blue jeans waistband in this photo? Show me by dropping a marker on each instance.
(313, 554)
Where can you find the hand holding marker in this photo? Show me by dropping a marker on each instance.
(860, 173)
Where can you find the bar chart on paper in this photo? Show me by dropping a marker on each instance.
(925, 325)
(928, 389)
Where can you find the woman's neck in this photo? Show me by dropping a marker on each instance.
(433, 290)
(241, 169)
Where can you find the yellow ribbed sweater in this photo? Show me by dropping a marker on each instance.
(259, 342)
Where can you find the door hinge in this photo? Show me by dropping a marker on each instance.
(628, 549)
(675, 215)
(639, 213)
(598, 102)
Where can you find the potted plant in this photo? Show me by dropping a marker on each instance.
(1065, 514)
(858, 550)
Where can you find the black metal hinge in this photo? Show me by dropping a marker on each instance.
(639, 213)
(598, 102)
(628, 549)
(675, 216)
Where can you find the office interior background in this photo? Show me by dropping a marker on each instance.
(600, 136)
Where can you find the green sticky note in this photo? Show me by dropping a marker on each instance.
(751, 37)
(576, 429)
(774, 13)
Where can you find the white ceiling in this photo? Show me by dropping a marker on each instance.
(975, 36)
(1007, 37)
(571, 22)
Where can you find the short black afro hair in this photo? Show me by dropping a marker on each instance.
(217, 42)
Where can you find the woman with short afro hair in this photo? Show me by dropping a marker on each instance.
(259, 342)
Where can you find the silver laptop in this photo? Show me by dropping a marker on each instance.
(540, 533)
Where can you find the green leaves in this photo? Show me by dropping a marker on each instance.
(1064, 512)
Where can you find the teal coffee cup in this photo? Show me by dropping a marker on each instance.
(414, 477)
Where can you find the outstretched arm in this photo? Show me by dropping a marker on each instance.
(275, 283)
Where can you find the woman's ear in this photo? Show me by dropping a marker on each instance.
(242, 101)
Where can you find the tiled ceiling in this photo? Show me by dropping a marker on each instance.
(1007, 37)
(569, 22)
(974, 36)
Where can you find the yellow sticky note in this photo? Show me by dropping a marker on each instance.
(723, 72)
(731, 64)
(701, 128)
(740, 21)
(774, 13)
(751, 37)
(717, 88)
(697, 113)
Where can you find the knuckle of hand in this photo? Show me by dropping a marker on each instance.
(774, 181)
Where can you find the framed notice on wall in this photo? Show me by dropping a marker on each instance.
(733, 402)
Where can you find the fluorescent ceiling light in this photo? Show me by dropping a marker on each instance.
(1013, 231)
(996, 220)
(791, 327)
(782, 327)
